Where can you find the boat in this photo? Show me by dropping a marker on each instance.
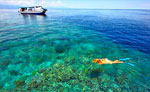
(32, 10)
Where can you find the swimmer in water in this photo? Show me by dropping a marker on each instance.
(106, 61)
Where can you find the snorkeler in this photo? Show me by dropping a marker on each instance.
(107, 61)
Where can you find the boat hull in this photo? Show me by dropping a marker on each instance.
(34, 13)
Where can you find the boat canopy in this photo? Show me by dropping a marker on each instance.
(32, 7)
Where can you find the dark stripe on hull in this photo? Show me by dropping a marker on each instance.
(42, 13)
(34, 13)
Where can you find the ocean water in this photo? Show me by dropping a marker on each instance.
(65, 41)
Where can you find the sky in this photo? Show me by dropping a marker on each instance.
(86, 4)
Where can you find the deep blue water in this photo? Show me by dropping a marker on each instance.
(29, 42)
(127, 27)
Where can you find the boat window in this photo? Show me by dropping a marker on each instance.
(30, 9)
(38, 6)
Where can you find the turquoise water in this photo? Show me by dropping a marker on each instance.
(64, 43)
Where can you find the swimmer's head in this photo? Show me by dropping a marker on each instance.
(94, 61)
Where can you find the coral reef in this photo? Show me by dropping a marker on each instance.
(57, 78)
(65, 78)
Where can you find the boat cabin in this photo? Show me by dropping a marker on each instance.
(36, 8)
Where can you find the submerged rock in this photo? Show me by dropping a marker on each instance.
(1, 86)
(13, 72)
(4, 63)
(95, 73)
(19, 83)
(61, 48)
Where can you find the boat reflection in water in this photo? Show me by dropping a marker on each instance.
(28, 19)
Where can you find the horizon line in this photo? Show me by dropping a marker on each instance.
(89, 8)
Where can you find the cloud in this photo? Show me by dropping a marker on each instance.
(147, 5)
(51, 3)
(45, 3)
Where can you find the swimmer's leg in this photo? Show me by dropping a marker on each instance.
(117, 61)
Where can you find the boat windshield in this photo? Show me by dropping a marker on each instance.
(23, 9)
(38, 6)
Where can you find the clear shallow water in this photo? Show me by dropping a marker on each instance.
(32, 42)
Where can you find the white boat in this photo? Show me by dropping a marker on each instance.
(32, 10)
